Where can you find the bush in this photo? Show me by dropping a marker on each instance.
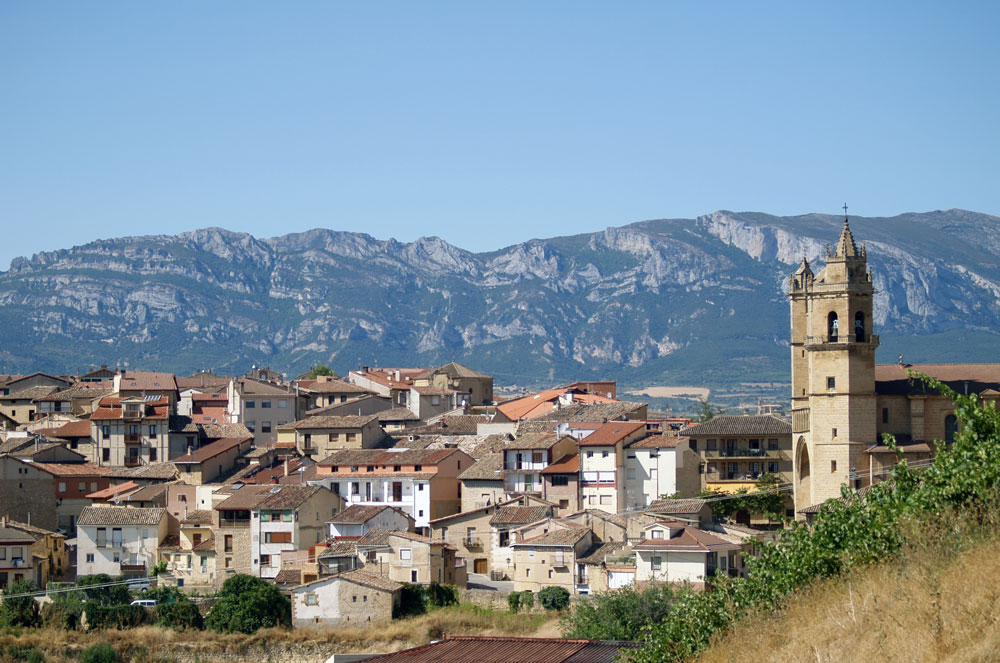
(412, 601)
(441, 596)
(247, 604)
(527, 600)
(619, 615)
(26, 654)
(180, 616)
(554, 598)
(20, 610)
(114, 616)
(514, 601)
(63, 613)
(116, 594)
(102, 652)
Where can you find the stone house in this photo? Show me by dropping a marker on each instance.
(212, 461)
(429, 402)
(409, 557)
(79, 400)
(423, 483)
(318, 437)
(49, 552)
(679, 553)
(262, 407)
(736, 450)
(551, 559)
(191, 555)
(119, 540)
(48, 495)
(351, 597)
(475, 388)
(326, 391)
(483, 482)
(692, 511)
(131, 431)
(561, 484)
(20, 406)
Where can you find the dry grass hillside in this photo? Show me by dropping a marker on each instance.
(150, 644)
(934, 604)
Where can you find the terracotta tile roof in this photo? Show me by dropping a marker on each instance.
(112, 491)
(288, 576)
(146, 493)
(569, 464)
(199, 517)
(359, 577)
(687, 538)
(170, 542)
(110, 408)
(357, 514)
(31, 393)
(344, 546)
(210, 451)
(73, 469)
(612, 433)
(455, 370)
(608, 410)
(32, 529)
(75, 429)
(207, 545)
(976, 378)
(488, 468)
(209, 431)
(386, 457)
(79, 390)
(397, 414)
(286, 496)
(244, 498)
(251, 387)
(459, 424)
(519, 515)
(346, 421)
(120, 515)
(735, 424)
(558, 537)
(380, 537)
(691, 506)
(535, 441)
(601, 551)
(155, 471)
(202, 381)
(664, 441)
(336, 387)
(147, 381)
(15, 535)
(462, 649)
(433, 391)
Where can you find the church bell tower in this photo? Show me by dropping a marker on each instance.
(833, 372)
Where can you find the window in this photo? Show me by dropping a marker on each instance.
(833, 466)
(550, 574)
(831, 382)
(90, 558)
(62, 486)
(420, 487)
(859, 327)
(3, 553)
(504, 539)
(105, 431)
(657, 562)
(536, 457)
(590, 454)
(950, 428)
(116, 537)
(657, 533)
(364, 599)
(152, 431)
(152, 454)
(277, 537)
(354, 599)
(82, 486)
(265, 427)
(772, 467)
(405, 554)
(397, 468)
(413, 575)
(106, 455)
(711, 444)
(420, 513)
(102, 537)
(228, 543)
(355, 488)
(833, 433)
(885, 415)
(265, 404)
(250, 404)
(772, 444)
(265, 560)
(133, 429)
(832, 326)
(311, 599)
(229, 562)
(604, 454)
(418, 468)
(560, 480)
(371, 468)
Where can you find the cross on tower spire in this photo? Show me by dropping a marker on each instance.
(845, 211)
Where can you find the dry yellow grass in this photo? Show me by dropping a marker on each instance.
(931, 605)
(312, 643)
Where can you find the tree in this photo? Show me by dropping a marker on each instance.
(104, 589)
(554, 598)
(705, 411)
(19, 608)
(321, 369)
(764, 500)
(246, 604)
(622, 614)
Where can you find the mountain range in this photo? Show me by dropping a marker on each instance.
(670, 301)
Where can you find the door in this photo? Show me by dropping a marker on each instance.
(397, 491)
(479, 566)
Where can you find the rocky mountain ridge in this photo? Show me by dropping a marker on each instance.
(664, 301)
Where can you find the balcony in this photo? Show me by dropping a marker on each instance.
(472, 543)
(841, 340)
(132, 461)
(740, 453)
(132, 438)
(136, 567)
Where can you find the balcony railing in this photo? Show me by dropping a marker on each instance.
(131, 437)
(741, 453)
(133, 461)
(472, 542)
(847, 339)
(138, 567)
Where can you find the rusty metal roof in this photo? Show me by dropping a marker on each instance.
(461, 649)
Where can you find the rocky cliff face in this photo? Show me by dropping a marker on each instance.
(669, 300)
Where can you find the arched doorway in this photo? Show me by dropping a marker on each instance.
(832, 327)
(803, 475)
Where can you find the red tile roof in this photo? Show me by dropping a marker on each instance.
(148, 381)
(210, 451)
(612, 433)
(112, 491)
(110, 407)
(462, 649)
(74, 429)
(569, 464)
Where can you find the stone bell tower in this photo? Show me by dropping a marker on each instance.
(833, 372)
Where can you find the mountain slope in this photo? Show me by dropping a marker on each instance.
(669, 301)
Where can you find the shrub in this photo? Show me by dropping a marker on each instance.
(441, 596)
(246, 604)
(102, 652)
(527, 599)
(412, 601)
(20, 610)
(27, 654)
(114, 616)
(554, 598)
(115, 594)
(514, 601)
(64, 612)
(619, 615)
(181, 615)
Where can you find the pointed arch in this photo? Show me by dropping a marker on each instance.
(803, 475)
(859, 327)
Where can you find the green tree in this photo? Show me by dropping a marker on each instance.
(101, 652)
(766, 499)
(105, 590)
(514, 601)
(321, 369)
(554, 598)
(246, 604)
(622, 614)
(704, 411)
(19, 608)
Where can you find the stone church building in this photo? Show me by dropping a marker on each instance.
(842, 402)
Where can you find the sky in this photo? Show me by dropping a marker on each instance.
(485, 124)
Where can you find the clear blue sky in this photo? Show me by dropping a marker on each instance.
(485, 124)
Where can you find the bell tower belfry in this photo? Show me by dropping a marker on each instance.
(833, 372)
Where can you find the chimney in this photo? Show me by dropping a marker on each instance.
(5, 520)
(285, 464)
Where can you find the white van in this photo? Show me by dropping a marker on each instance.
(146, 603)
